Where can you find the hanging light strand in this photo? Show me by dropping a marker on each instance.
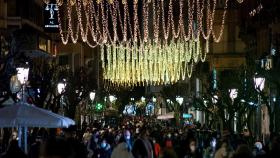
(199, 15)
(148, 48)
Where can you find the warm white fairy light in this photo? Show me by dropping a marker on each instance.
(126, 65)
(156, 37)
(200, 15)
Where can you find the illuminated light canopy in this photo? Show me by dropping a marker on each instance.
(151, 64)
(96, 18)
(158, 47)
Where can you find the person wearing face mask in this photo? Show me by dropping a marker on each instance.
(192, 151)
(224, 151)
(103, 150)
(124, 148)
(93, 143)
(168, 141)
(157, 148)
(143, 146)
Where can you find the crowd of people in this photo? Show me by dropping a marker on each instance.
(140, 139)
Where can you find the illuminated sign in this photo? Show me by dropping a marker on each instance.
(186, 116)
(50, 17)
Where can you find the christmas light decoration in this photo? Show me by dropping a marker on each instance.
(132, 65)
(95, 16)
(143, 42)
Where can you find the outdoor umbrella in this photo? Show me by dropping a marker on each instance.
(26, 115)
(37, 54)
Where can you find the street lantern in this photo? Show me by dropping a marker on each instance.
(274, 99)
(112, 98)
(168, 101)
(22, 77)
(205, 102)
(180, 100)
(61, 87)
(92, 95)
(143, 99)
(259, 83)
(233, 93)
(154, 99)
(22, 74)
(259, 86)
(215, 99)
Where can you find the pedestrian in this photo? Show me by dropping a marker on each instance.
(157, 148)
(192, 150)
(258, 151)
(224, 151)
(243, 151)
(14, 151)
(87, 136)
(168, 141)
(34, 150)
(142, 147)
(103, 150)
(76, 148)
(55, 148)
(124, 148)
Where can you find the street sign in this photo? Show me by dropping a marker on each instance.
(187, 116)
(50, 17)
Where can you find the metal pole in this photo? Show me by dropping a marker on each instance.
(258, 120)
(25, 140)
(19, 136)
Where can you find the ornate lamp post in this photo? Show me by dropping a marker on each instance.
(91, 105)
(259, 86)
(233, 95)
(61, 89)
(61, 86)
(22, 75)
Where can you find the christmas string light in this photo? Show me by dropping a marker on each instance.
(199, 15)
(132, 65)
(147, 48)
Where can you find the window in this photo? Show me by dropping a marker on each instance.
(43, 44)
